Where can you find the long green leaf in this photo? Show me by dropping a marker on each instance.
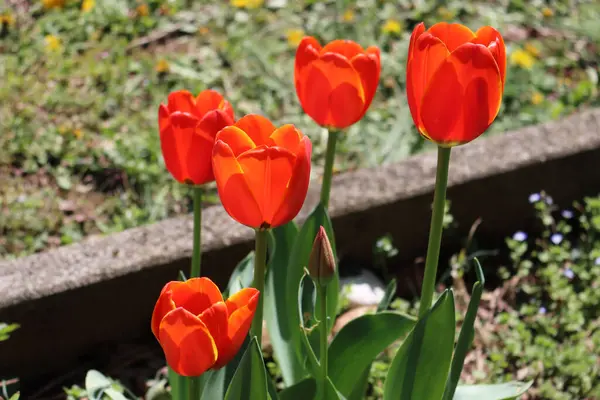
(360, 387)
(359, 342)
(283, 333)
(250, 379)
(304, 390)
(217, 382)
(502, 391)
(388, 296)
(242, 275)
(465, 338)
(420, 368)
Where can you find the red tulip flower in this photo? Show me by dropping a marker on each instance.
(197, 330)
(336, 83)
(188, 126)
(262, 172)
(454, 81)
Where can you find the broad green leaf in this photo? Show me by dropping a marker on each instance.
(388, 296)
(502, 391)
(307, 349)
(217, 382)
(303, 390)
(465, 338)
(330, 392)
(250, 379)
(359, 342)
(283, 333)
(360, 387)
(242, 275)
(15, 396)
(420, 368)
(298, 260)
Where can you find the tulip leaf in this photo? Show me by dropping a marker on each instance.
(242, 275)
(329, 392)
(388, 296)
(465, 338)
(359, 342)
(307, 326)
(298, 260)
(250, 379)
(361, 385)
(217, 382)
(420, 368)
(502, 391)
(305, 389)
(284, 335)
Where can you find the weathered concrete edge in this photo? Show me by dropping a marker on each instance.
(103, 258)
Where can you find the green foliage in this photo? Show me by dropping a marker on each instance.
(250, 378)
(6, 330)
(80, 91)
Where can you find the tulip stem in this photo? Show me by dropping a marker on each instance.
(324, 352)
(197, 249)
(195, 385)
(260, 260)
(328, 169)
(435, 231)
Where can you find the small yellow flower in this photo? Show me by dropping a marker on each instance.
(142, 10)
(537, 98)
(78, 133)
(348, 15)
(53, 4)
(87, 5)
(446, 14)
(294, 36)
(62, 129)
(392, 26)
(162, 66)
(203, 30)
(249, 4)
(532, 49)
(547, 12)
(53, 43)
(7, 19)
(522, 59)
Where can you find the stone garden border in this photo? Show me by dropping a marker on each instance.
(73, 300)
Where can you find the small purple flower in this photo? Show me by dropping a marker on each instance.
(542, 310)
(549, 200)
(534, 197)
(569, 274)
(567, 214)
(597, 261)
(520, 236)
(556, 238)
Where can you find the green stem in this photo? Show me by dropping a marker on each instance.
(260, 260)
(197, 249)
(328, 169)
(178, 385)
(196, 387)
(435, 231)
(323, 331)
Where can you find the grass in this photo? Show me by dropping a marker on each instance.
(82, 80)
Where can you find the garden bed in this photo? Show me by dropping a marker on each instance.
(93, 294)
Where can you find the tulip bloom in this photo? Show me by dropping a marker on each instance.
(197, 329)
(336, 83)
(454, 81)
(188, 126)
(262, 172)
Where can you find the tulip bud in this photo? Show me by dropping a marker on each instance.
(321, 264)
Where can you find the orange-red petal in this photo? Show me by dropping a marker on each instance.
(215, 318)
(267, 171)
(195, 294)
(307, 52)
(452, 35)
(182, 101)
(491, 38)
(163, 306)
(346, 48)
(242, 298)
(169, 145)
(286, 136)
(235, 194)
(257, 127)
(187, 343)
(428, 54)
(463, 96)
(296, 190)
(416, 33)
(368, 66)
(208, 100)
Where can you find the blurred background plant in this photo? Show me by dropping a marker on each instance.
(82, 80)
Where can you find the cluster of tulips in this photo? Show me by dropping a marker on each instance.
(455, 81)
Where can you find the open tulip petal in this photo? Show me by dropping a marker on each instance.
(168, 145)
(286, 136)
(215, 318)
(346, 48)
(257, 127)
(235, 194)
(245, 297)
(267, 171)
(316, 102)
(463, 97)
(491, 38)
(187, 343)
(428, 53)
(236, 139)
(416, 33)
(453, 35)
(347, 106)
(239, 323)
(292, 203)
(368, 68)
(195, 295)
(209, 100)
(163, 306)
(182, 101)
